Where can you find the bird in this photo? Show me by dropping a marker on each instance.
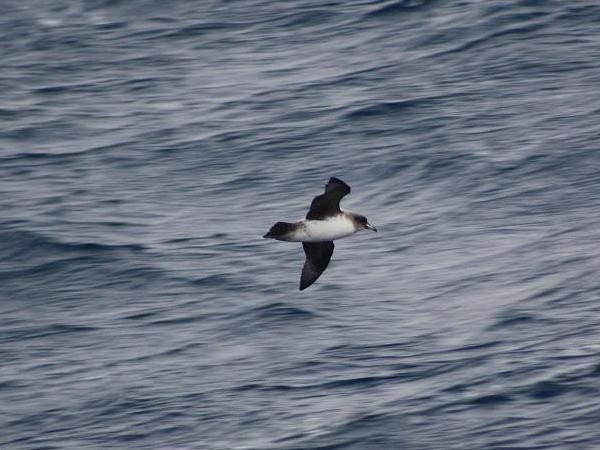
(324, 223)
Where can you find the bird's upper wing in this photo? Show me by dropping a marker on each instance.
(318, 255)
(328, 204)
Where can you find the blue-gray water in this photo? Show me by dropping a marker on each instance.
(146, 146)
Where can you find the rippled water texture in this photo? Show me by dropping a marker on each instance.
(146, 147)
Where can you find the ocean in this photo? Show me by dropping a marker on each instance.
(146, 147)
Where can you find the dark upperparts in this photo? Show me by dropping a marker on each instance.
(328, 203)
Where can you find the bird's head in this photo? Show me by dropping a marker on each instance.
(362, 223)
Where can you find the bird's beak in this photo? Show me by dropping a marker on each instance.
(370, 227)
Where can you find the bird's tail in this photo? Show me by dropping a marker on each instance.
(280, 230)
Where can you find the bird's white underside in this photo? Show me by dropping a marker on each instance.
(335, 227)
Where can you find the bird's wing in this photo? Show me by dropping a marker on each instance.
(318, 255)
(328, 203)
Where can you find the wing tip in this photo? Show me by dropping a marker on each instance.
(306, 282)
(335, 180)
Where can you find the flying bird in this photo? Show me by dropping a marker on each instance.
(324, 222)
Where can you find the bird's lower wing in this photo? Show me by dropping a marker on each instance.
(318, 255)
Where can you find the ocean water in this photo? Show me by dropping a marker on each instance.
(145, 148)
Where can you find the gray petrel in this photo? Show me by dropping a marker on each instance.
(324, 222)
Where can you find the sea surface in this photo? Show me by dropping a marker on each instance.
(145, 148)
